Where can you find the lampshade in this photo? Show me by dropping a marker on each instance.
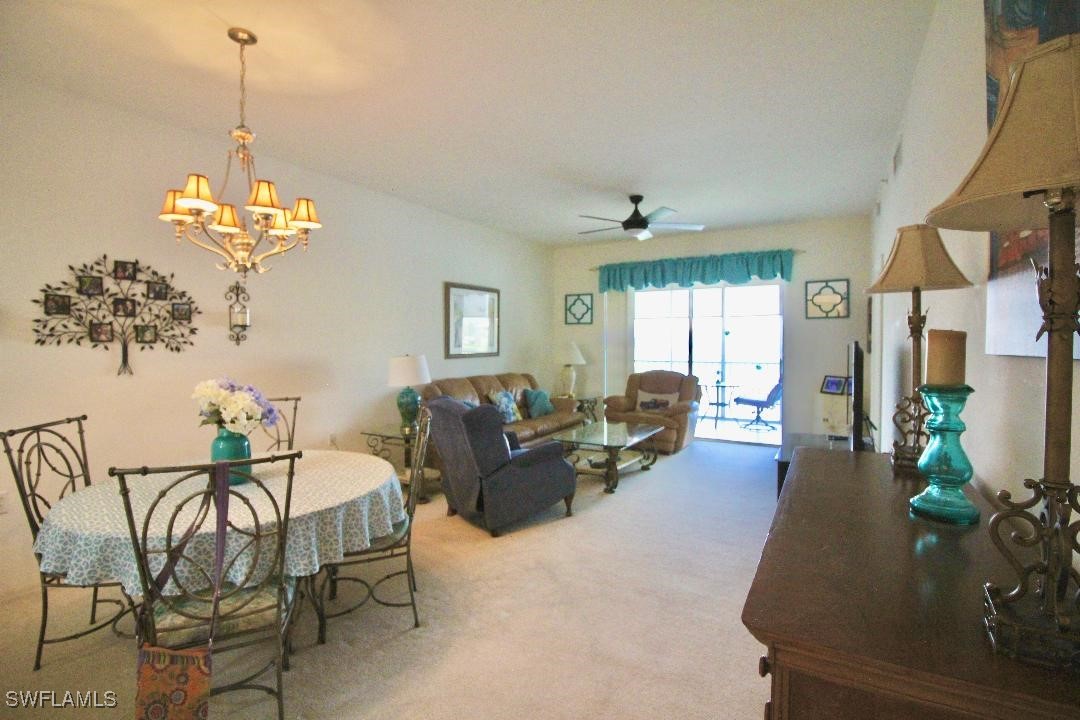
(304, 215)
(263, 198)
(918, 259)
(196, 195)
(408, 370)
(281, 227)
(1033, 146)
(171, 212)
(225, 220)
(571, 355)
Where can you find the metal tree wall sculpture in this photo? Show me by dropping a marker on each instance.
(129, 302)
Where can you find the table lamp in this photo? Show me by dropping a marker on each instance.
(571, 356)
(1027, 178)
(918, 261)
(406, 371)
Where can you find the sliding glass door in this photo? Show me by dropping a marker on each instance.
(730, 337)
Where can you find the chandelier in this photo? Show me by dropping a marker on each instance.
(216, 226)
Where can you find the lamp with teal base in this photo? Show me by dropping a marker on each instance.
(944, 462)
(405, 372)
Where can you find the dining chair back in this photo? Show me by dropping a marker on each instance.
(172, 524)
(48, 462)
(398, 544)
(283, 433)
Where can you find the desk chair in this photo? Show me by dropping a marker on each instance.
(759, 405)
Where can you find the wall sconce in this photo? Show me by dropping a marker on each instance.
(239, 314)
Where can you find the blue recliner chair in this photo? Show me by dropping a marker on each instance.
(486, 477)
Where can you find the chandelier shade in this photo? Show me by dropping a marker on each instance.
(216, 226)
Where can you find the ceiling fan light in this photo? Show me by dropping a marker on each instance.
(263, 198)
(196, 195)
(225, 220)
(171, 212)
(639, 233)
(304, 215)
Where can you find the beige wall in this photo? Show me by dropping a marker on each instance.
(943, 130)
(79, 179)
(825, 249)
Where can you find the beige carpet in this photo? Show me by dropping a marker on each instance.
(629, 609)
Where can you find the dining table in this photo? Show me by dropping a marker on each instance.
(341, 502)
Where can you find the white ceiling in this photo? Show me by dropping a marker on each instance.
(519, 114)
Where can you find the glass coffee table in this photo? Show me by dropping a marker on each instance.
(604, 448)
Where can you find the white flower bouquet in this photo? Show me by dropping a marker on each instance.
(235, 407)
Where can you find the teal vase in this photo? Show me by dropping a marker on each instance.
(229, 445)
(408, 404)
(944, 462)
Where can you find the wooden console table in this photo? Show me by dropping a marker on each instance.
(870, 613)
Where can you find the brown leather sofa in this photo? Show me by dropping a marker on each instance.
(530, 431)
(679, 418)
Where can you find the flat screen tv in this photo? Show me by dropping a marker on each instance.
(855, 395)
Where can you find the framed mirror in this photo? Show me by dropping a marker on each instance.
(471, 316)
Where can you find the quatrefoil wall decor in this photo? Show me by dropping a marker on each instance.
(827, 299)
(579, 309)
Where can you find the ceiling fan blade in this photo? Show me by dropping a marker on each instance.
(593, 217)
(642, 235)
(586, 232)
(677, 226)
(659, 213)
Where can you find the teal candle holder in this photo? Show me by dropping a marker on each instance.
(944, 462)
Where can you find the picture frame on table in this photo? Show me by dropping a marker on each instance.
(834, 385)
(471, 318)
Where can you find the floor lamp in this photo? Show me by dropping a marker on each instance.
(1027, 178)
(918, 261)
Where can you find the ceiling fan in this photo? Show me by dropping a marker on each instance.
(638, 226)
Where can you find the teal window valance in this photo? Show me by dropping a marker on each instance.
(732, 268)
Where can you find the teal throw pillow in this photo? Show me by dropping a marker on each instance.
(504, 403)
(539, 403)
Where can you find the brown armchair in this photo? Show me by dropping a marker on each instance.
(679, 418)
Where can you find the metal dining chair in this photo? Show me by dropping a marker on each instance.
(283, 433)
(398, 544)
(48, 462)
(177, 529)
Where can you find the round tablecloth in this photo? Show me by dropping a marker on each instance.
(341, 501)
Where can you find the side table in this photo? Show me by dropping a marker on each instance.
(381, 442)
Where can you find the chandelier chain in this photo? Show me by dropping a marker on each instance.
(243, 87)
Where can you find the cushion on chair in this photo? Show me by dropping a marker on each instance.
(504, 403)
(484, 433)
(539, 403)
(176, 630)
(655, 401)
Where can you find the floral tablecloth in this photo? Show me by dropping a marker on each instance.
(341, 501)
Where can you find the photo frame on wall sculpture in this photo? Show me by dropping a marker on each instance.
(471, 316)
(578, 309)
(1013, 29)
(827, 299)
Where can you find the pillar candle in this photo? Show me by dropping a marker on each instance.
(945, 357)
